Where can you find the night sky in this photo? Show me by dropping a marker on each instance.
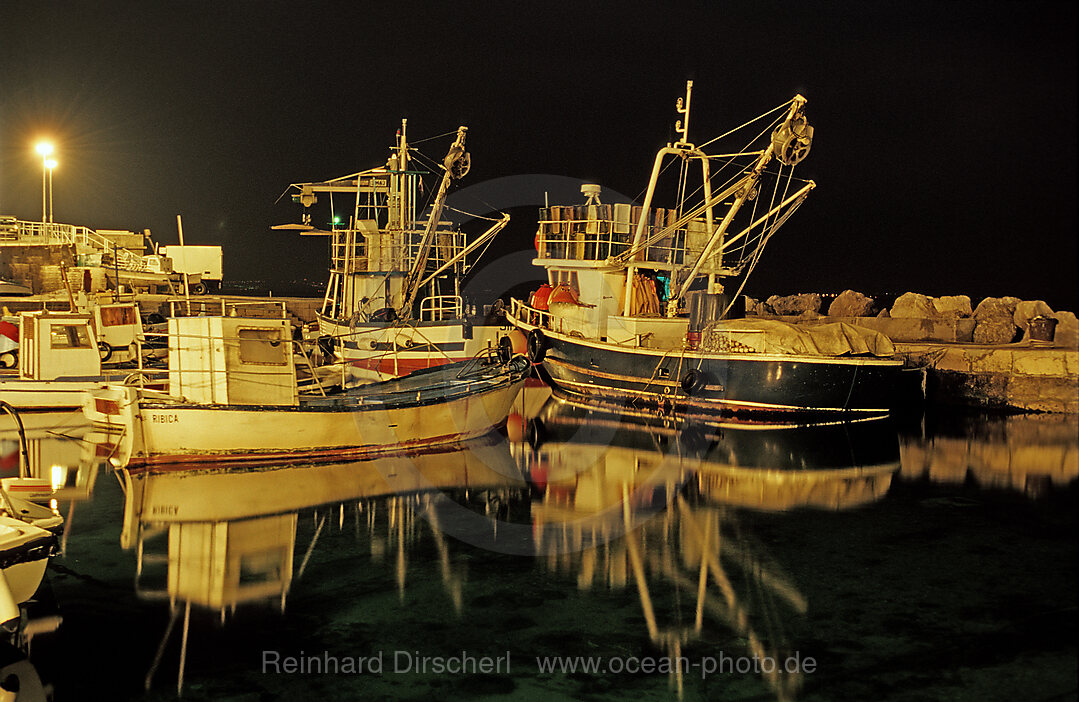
(944, 153)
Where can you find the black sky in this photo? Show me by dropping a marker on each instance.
(945, 131)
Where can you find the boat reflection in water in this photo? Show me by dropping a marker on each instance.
(52, 455)
(218, 538)
(47, 460)
(657, 503)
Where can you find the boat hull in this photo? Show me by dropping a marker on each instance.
(381, 352)
(46, 395)
(163, 431)
(709, 382)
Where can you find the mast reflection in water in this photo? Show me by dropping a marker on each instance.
(661, 559)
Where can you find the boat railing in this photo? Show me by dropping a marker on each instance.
(254, 309)
(599, 232)
(437, 308)
(532, 316)
(447, 244)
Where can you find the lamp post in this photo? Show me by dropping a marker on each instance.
(50, 163)
(44, 148)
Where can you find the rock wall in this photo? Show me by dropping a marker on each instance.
(915, 317)
(36, 266)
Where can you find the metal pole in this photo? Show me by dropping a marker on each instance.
(44, 176)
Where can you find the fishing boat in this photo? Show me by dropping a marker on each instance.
(234, 397)
(636, 311)
(393, 302)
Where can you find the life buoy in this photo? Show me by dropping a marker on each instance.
(537, 346)
(694, 381)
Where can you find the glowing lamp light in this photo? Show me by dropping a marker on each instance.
(44, 148)
(59, 477)
(50, 163)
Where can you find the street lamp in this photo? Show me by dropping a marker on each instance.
(45, 149)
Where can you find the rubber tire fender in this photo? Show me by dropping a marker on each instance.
(104, 351)
(505, 349)
(694, 381)
(537, 346)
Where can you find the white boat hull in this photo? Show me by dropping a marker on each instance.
(162, 431)
(46, 395)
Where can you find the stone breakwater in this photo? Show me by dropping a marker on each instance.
(983, 356)
(914, 317)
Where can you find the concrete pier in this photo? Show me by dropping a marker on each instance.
(1017, 376)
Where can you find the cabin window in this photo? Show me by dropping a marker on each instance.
(69, 336)
(263, 346)
(568, 278)
(117, 316)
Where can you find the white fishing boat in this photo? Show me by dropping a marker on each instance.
(393, 302)
(60, 355)
(637, 313)
(235, 398)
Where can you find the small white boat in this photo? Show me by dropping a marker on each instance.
(60, 356)
(234, 398)
(25, 550)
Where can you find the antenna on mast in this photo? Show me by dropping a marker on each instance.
(683, 109)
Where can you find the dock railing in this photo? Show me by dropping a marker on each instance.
(56, 233)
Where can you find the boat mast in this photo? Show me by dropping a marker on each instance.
(792, 138)
(683, 149)
(456, 166)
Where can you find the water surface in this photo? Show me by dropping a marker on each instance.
(921, 559)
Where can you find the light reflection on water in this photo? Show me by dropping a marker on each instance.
(919, 559)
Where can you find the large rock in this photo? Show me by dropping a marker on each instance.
(993, 321)
(952, 306)
(795, 304)
(852, 304)
(913, 305)
(994, 307)
(1067, 331)
(994, 331)
(1027, 310)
